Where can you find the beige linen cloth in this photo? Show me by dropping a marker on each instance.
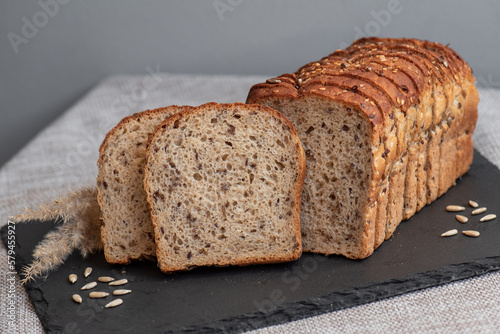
(63, 157)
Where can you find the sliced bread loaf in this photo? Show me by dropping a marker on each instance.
(127, 231)
(224, 185)
(387, 128)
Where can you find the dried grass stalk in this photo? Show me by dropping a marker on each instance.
(62, 208)
(81, 229)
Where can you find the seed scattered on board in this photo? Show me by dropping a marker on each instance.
(462, 219)
(450, 233)
(455, 208)
(488, 218)
(121, 292)
(87, 271)
(119, 282)
(479, 211)
(114, 303)
(105, 279)
(98, 294)
(469, 233)
(473, 204)
(89, 286)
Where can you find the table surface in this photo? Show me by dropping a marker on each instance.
(63, 157)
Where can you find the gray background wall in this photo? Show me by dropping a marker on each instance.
(53, 52)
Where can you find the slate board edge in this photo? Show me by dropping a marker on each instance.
(308, 307)
(349, 298)
(34, 293)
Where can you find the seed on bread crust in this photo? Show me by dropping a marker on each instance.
(273, 81)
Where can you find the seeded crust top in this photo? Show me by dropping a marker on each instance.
(382, 64)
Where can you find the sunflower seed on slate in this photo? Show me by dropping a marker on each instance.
(473, 234)
(72, 278)
(119, 282)
(121, 292)
(462, 219)
(473, 204)
(488, 218)
(114, 303)
(479, 211)
(89, 286)
(87, 272)
(455, 208)
(105, 279)
(449, 233)
(98, 294)
(77, 298)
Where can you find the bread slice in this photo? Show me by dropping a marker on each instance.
(387, 128)
(224, 184)
(127, 231)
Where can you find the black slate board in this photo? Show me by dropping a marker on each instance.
(236, 299)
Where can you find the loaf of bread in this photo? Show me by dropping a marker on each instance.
(386, 125)
(127, 231)
(224, 184)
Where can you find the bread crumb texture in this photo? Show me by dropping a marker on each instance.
(224, 184)
(127, 231)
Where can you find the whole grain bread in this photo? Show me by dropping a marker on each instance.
(387, 128)
(224, 185)
(127, 231)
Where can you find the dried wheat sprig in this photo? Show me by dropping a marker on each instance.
(64, 207)
(81, 229)
(89, 229)
(51, 252)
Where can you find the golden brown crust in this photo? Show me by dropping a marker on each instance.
(397, 75)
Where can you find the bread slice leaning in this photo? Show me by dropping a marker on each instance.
(127, 231)
(224, 185)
